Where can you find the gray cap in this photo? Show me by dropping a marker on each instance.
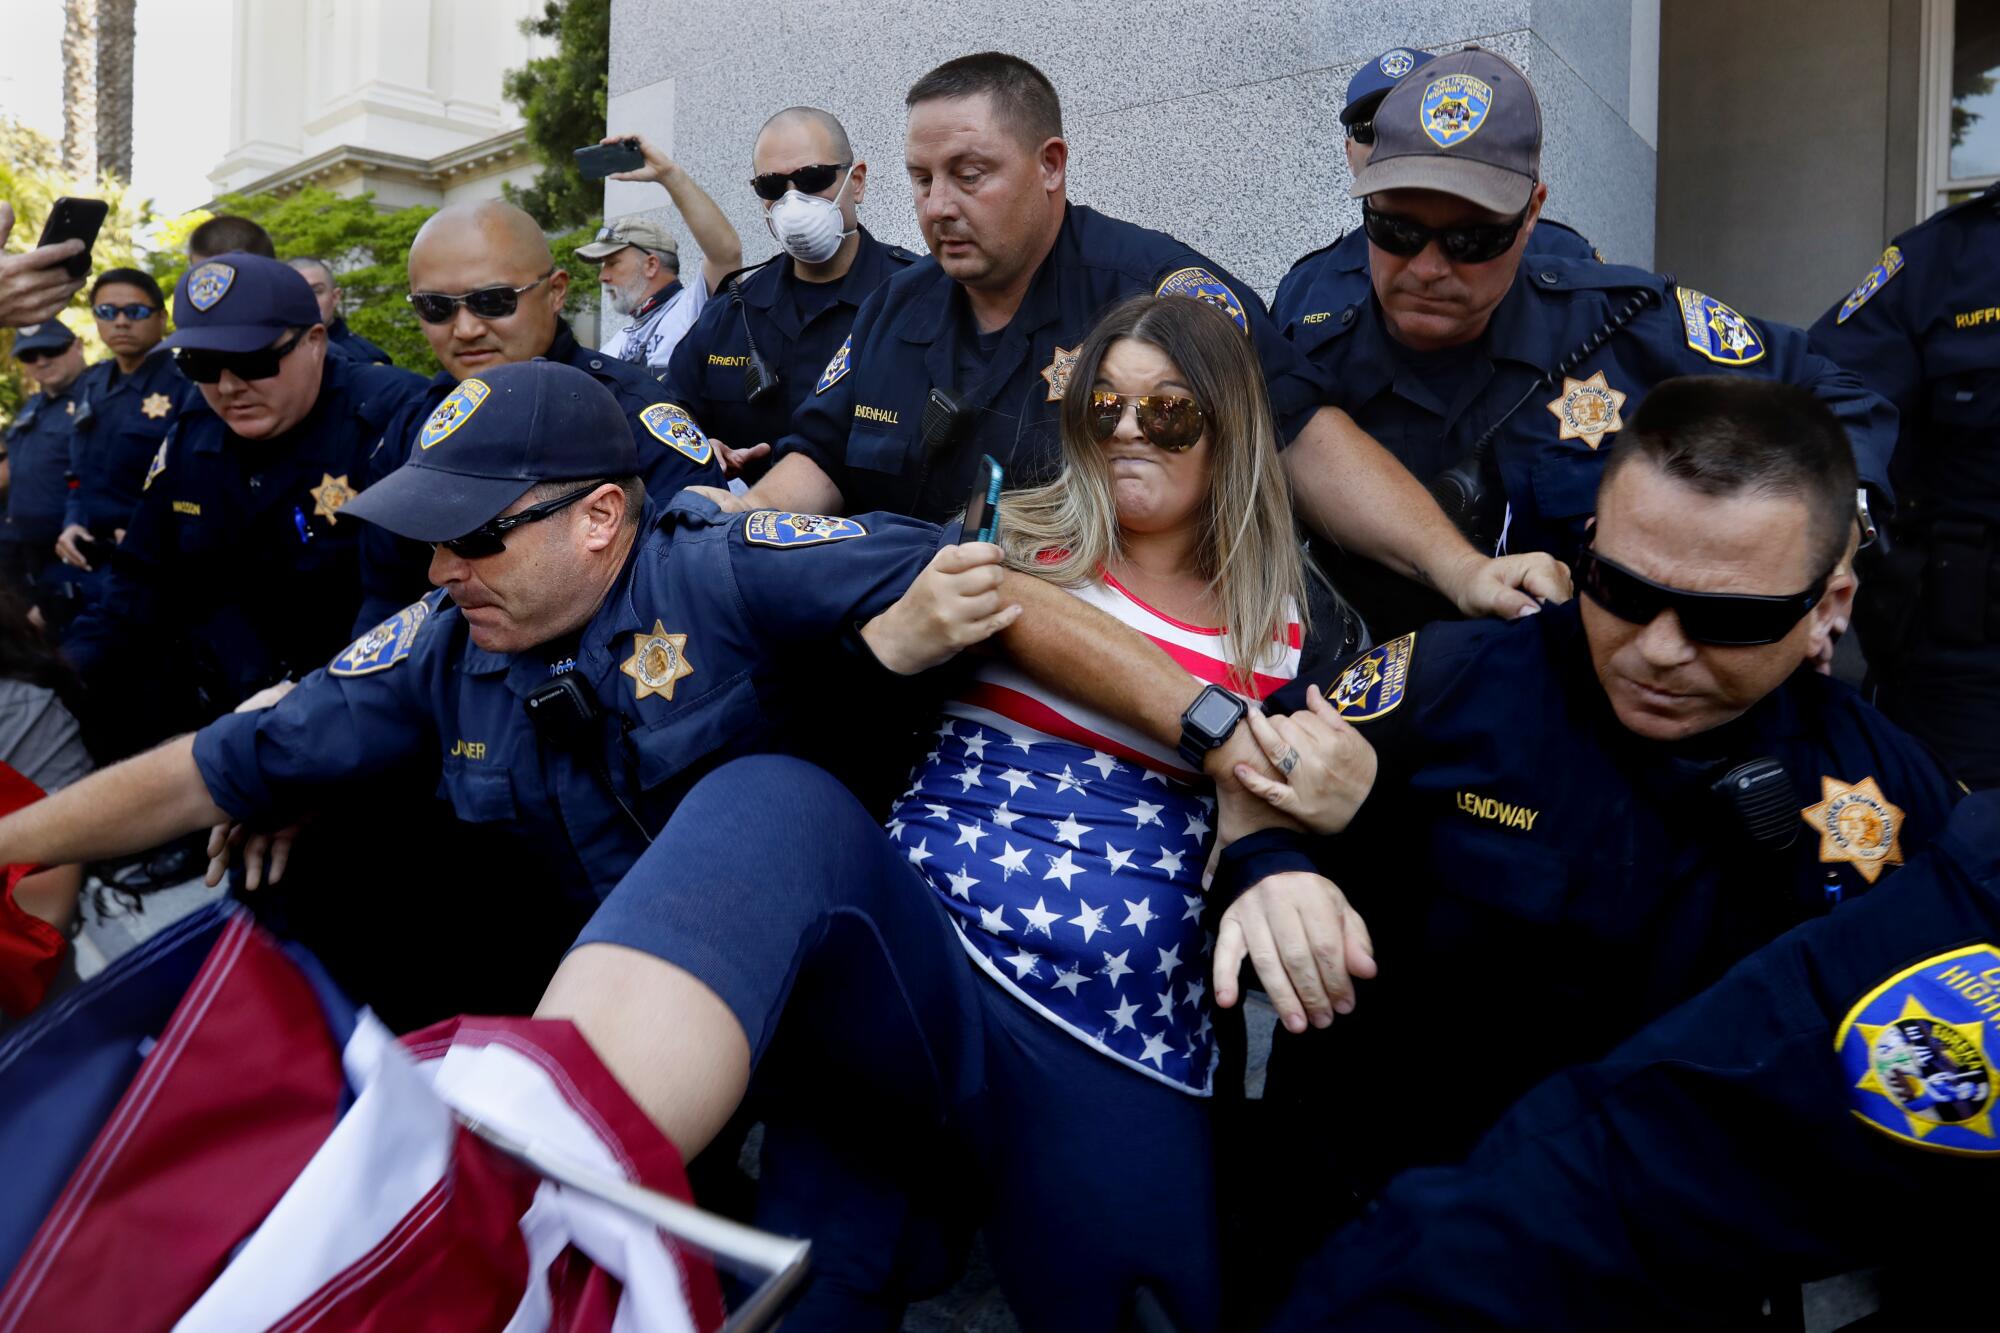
(1466, 124)
(634, 229)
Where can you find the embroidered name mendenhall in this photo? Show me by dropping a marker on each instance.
(1498, 811)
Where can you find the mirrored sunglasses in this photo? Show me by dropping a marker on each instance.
(1169, 421)
(135, 312)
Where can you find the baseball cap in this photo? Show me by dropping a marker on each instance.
(635, 229)
(51, 335)
(492, 440)
(240, 302)
(1470, 127)
(1372, 82)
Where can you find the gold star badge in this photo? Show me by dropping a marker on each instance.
(157, 405)
(328, 497)
(1856, 824)
(1906, 1057)
(1056, 372)
(1588, 409)
(658, 660)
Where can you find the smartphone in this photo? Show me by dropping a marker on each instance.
(598, 160)
(76, 219)
(982, 509)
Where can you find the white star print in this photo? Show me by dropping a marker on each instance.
(1194, 906)
(1197, 828)
(1015, 780)
(1118, 859)
(1070, 831)
(975, 746)
(896, 827)
(994, 921)
(1090, 918)
(1068, 781)
(969, 778)
(1156, 1047)
(921, 852)
(1067, 980)
(969, 836)
(1004, 817)
(1169, 960)
(1204, 1029)
(946, 729)
(1169, 862)
(1010, 860)
(1024, 965)
(941, 813)
(1103, 763)
(1114, 967)
(1145, 813)
(1122, 1015)
(1195, 990)
(1153, 775)
(1063, 868)
(961, 884)
(1138, 914)
(1039, 917)
(1166, 1009)
(1018, 738)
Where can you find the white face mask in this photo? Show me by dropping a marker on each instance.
(807, 225)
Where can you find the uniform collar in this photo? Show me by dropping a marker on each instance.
(1527, 327)
(863, 276)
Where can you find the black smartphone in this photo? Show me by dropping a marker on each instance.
(75, 219)
(982, 509)
(598, 160)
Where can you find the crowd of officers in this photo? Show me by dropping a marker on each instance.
(1449, 380)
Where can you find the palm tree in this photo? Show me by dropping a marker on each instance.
(98, 37)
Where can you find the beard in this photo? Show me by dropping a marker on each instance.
(624, 300)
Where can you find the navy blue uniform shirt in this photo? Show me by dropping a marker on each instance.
(1540, 880)
(1555, 425)
(671, 452)
(1815, 1112)
(236, 552)
(705, 374)
(706, 647)
(1334, 277)
(863, 421)
(37, 468)
(356, 346)
(119, 423)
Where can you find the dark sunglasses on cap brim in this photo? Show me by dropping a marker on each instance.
(1724, 619)
(205, 366)
(807, 180)
(1168, 421)
(1476, 244)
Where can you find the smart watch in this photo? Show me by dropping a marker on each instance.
(1208, 722)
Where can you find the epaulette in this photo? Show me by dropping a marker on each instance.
(1300, 262)
(1551, 273)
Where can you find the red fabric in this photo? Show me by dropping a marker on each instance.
(30, 948)
(240, 1091)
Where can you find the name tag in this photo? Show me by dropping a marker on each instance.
(863, 412)
(469, 749)
(188, 507)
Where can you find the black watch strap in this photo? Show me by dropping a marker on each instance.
(1208, 722)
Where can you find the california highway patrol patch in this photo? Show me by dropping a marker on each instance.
(1587, 410)
(1453, 109)
(1396, 63)
(1204, 286)
(658, 661)
(384, 646)
(769, 527)
(453, 412)
(1915, 1052)
(208, 284)
(1374, 682)
(1872, 282)
(158, 465)
(672, 426)
(1857, 824)
(1716, 331)
(836, 367)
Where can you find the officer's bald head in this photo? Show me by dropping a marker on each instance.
(823, 126)
(472, 247)
(492, 231)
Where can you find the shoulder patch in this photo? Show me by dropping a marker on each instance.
(456, 409)
(1917, 1056)
(158, 465)
(1716, 331)
(1887, 267)
(837, 367)
(1203, 285)
(671, 425)
(1374, 683)
(384, 646)
(771, 527)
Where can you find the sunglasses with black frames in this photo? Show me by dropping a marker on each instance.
(1724, 619)
(487, 303)
(205, 366)
(490, 538)
(134, 311)
(1362, 132)
(807, 180)
(1475, 244)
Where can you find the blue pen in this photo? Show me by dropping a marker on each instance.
(299, 522)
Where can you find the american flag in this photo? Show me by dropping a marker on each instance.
(1074, 877)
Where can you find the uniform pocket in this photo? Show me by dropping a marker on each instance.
(879, 451)
(478, 795)
(1498, 872)
(688, 735)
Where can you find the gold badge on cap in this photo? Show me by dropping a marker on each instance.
(157, 405)
(1588, 409)
(1056, 372)
(1857, 824)
(658, 660)
(330, 495)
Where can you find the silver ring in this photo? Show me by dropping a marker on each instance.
(1288, 761)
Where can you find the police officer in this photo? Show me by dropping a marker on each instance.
(1611, 802)
(38, 451)
(758, 349)
(238, 566)
(489, 293)
(1923, 329)
(226, 233)
(1816, 1111)
(124, 407)
(966, 354)
(1336, 276)
(1504, 385)
(319, 276)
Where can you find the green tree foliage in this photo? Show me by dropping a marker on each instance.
(32, 179)
(562, 99)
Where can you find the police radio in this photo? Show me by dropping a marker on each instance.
(1759, 793)
(760, 382)
(944, 421)
(566, 714)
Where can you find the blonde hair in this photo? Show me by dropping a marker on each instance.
(1067, 531)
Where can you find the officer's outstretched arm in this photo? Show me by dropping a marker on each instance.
(129, 807)
(796, 484)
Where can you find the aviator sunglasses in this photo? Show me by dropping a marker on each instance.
(1725, 619)
(490, 538)
(1461, 245)
(1169, 421)
(487, 303)
(205, 366)
(135, 312)
(807, 180)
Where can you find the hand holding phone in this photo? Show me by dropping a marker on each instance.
(75, 220)
(598, 160)
(38, 284)
(982, 508)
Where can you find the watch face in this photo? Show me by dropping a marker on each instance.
(1215, 713)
